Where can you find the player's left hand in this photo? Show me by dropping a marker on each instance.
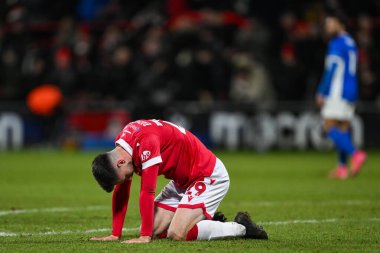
(319, 100)
(141, 239)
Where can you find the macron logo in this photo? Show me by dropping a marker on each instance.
(145, 155)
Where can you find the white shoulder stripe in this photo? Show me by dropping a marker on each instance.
(152, 161)
(125, 146)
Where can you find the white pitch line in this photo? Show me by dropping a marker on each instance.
(90, 231)
(304, 203)
(2, 234)
(65, 232)
(312, 221)
(52, 210)
(253, 203)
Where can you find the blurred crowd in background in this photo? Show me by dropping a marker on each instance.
(160, 51)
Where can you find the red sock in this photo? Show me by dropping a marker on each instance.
(192, 235)
(163, 235)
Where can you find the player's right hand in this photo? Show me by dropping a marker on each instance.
(105, 238)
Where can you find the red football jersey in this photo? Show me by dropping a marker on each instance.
(158, 147)
(179, 154)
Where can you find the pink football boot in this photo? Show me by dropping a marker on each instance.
(341, 173)
(357, 161)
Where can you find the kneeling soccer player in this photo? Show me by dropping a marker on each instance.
(185, 207)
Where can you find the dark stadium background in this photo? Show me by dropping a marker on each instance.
(239, 74)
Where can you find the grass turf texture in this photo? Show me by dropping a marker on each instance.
(288, 192)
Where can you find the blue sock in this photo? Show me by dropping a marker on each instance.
(342, 141)
(342, 158)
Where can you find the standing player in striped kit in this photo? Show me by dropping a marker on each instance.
(185, 208)
(337, 94)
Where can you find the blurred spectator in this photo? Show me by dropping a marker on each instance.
(256, 39)
(368, 53)
(287, 25)
(288, 76)
(121, 76)
(10, 72)
(251, 82)
(156, 52)
(84, 56)
(65, 33)
(34, 69)
(12, 49)
(110, 40)
(154, 81)
(63, 73)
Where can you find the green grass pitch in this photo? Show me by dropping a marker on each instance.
(49, 202)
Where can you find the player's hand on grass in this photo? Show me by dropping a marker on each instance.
(105, 238)
(141, 239)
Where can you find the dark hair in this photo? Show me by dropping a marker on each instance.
(339, 15)
(104, 172)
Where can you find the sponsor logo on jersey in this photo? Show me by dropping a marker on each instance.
(132, 128)
(145, 155)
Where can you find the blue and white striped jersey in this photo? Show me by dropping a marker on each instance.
(339, 77)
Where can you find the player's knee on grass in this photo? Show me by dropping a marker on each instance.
(178, 231)
(176, 235)
(183, 221)
(162, 219)
(160, 231)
